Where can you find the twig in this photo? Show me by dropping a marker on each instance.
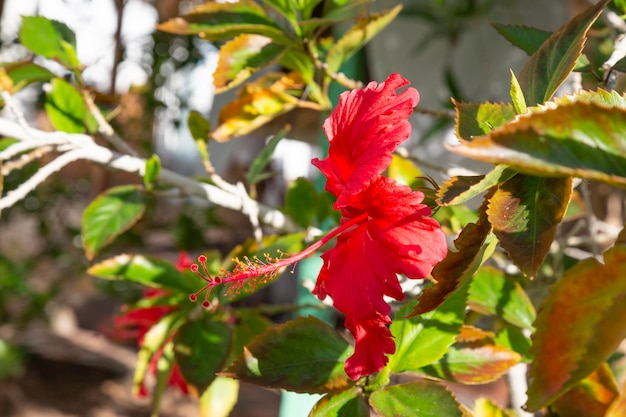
(516, 377)
(24, 159)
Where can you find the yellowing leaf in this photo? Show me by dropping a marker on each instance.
(579, 325)
(484, 407)
(478, 119)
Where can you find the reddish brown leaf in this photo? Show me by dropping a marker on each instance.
(580, 324)
(525, 212)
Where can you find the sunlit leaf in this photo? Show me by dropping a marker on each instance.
(50, 39)
(258, 103)
(528, 39)
(65, 107)
(164, 366)
(478, 119)
(255, 173)
(484, 407)
(579, 325)
(109, 215)
(144, 270)
(424, 339)
(153, 170)
(473, 246)
(415, 399)
(201, 348)
(591, 397)
(403, 170)
(525, 212)
(618, 407)
(517, 95)
(458, 190)
(357, 37)
(200, 129)
(492, 293)
(23, 73)
(547, 68)
(222, 21)
(348, 403)
(473, 360)
(242, 57)
(220, 399)
(303, 355)
(515, 339)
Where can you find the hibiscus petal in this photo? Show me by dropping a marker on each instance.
(364, 129)
(372, 341)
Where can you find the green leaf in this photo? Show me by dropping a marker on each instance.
(580, 323)
(424, 339)
(306, 7)
(249, 325)
(591, 397)
(484, 407)
(513, 338)
(302, 202)
(201, 348)
(200, 129)
(478, 119)
(109, 215)
(222, 21)
(415, 399)
(24, 73)
(65, 107)
(473, 360)
(164, 366)
(255, 173)
(153, 170)
(348, 403)
(303, 355)
(493, 293)
(528, 39)
(547, 68)
(144, 270)
(517, 95)
(152, 343)
(582, 138)
(50, 39)
(221, 397)
(525, 212)
(474, 245)
(403, 170)
(458, 190)
(242, 57)
(357, 37)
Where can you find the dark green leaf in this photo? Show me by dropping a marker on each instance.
(357, 37)
(547, 68)
(580, 323)
(424, 339)
(301, 202)
(416, 399)
(478, 119)
(492, 293)
(144, 270)
(264, 157)
(526, 38)
(201, 348)
(458, 190)
(65, 107)
(525, 212)
(50, 39)
(109, 215)
(348, 403)
(153, 170)
(303, 355)
(249, 325)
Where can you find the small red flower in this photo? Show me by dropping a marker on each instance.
(385, 228)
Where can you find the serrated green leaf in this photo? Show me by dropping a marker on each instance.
(153, 170)
(50, 39)
(528, 39)
(152, 343)
(517, 95)
(525, 212)
(513, 338)
(301, 202)
(348, 403)
(242, 57)
(478, 119)
(65, 107)
(458, 190)
(492, 293)
(303, 355)
(201, 349)
(255, 173)
(547, 68)
(582, 138)
(220, 399)
(223, 21)
(415, 399)
(109, 215)
(580, 323)
(24, 73)
(357, 37)
(249, 325)
(285, 14)
(424, 339)
(145, 270)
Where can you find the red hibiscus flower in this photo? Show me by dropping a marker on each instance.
(385, 228)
